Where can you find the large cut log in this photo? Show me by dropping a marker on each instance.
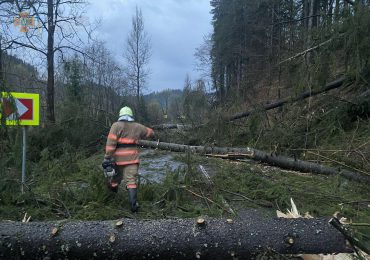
(279, 103)
(258, 155)
(168, 239)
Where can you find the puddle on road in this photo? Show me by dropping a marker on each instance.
(155, 164)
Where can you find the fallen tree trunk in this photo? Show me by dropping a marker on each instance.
(306, 51)
(258, 155)
(365, 94)
(171, 126)
(350, 2)
(167, 239)
(279, 103)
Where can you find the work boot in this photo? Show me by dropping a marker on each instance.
(132, 197)
(112, 186)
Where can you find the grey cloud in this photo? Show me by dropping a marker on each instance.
(176, 28)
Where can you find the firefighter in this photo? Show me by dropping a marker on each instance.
(122, 150)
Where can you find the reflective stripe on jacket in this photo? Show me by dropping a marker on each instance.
(122, 140)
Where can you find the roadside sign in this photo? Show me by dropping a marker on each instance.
(20, 108)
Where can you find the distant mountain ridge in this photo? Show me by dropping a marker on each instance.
(163, 96)
(19, 75)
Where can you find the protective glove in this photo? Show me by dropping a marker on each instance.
(106, 162)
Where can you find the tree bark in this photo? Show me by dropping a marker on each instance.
(171, 126)
(169, 239)
(2, 88)
(258, 155)
(350, 2)
(50, 60)
(279, 103)
(312, 22)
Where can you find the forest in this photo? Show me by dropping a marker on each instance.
(264, 155)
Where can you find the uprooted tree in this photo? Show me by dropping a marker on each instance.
(179, 239)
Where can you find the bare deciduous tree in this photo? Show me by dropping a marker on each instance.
(105, 75)
(1, 65)
(103, 70)
(203, 57)
(138, 54)
(59, 19)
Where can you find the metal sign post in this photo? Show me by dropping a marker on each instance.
(24, 151)
(21, 109)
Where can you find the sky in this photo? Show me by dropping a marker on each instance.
(176, 29)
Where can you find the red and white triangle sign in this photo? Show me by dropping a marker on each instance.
(24, 110)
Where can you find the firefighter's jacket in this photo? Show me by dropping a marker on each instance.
(122, 141)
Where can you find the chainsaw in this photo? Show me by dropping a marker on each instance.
(109, 167)
(109, 170)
